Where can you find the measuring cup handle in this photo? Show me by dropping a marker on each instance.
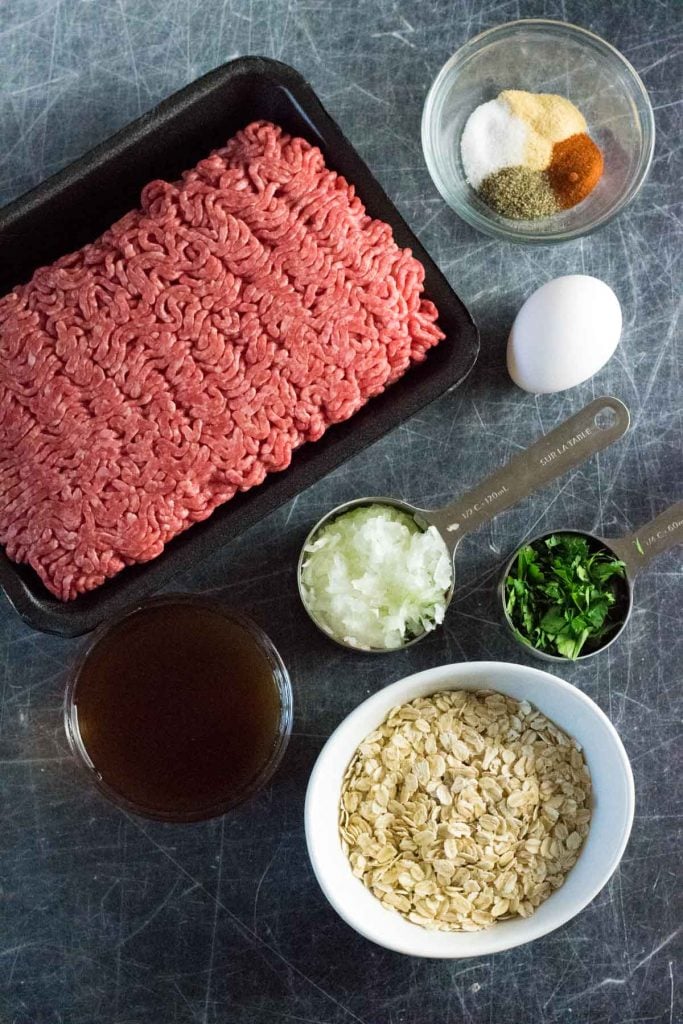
(639, 548)
(589, 431)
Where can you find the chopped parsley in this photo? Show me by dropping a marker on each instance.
(565, 595)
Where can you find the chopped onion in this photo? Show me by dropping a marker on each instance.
(374, 579)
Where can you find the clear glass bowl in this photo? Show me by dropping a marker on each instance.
(542, 56)
(200, 811)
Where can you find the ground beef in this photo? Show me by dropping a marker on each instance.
(148, 377)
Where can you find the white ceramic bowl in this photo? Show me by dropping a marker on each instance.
(613, 804)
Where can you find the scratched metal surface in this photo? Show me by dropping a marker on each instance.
(114, 920)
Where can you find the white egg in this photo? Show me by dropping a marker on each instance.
(563, 334)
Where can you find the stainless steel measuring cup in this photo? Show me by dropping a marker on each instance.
(636, 550)
(597, 425)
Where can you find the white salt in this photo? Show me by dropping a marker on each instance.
(493, 138)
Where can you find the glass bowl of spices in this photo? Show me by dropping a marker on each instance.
(538, 131)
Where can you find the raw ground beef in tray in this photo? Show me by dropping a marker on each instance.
(148, 377)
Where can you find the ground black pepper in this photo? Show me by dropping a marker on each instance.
(519, 193)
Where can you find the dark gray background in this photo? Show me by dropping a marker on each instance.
(107, 919)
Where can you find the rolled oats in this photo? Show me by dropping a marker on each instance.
(465, 808)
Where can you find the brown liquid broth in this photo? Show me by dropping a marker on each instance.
(178, 708)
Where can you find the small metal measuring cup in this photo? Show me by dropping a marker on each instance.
(636, 550)
(597, 425)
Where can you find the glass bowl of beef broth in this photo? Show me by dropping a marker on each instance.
(179, 709)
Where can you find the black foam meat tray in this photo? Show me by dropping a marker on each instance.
(74, 206)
